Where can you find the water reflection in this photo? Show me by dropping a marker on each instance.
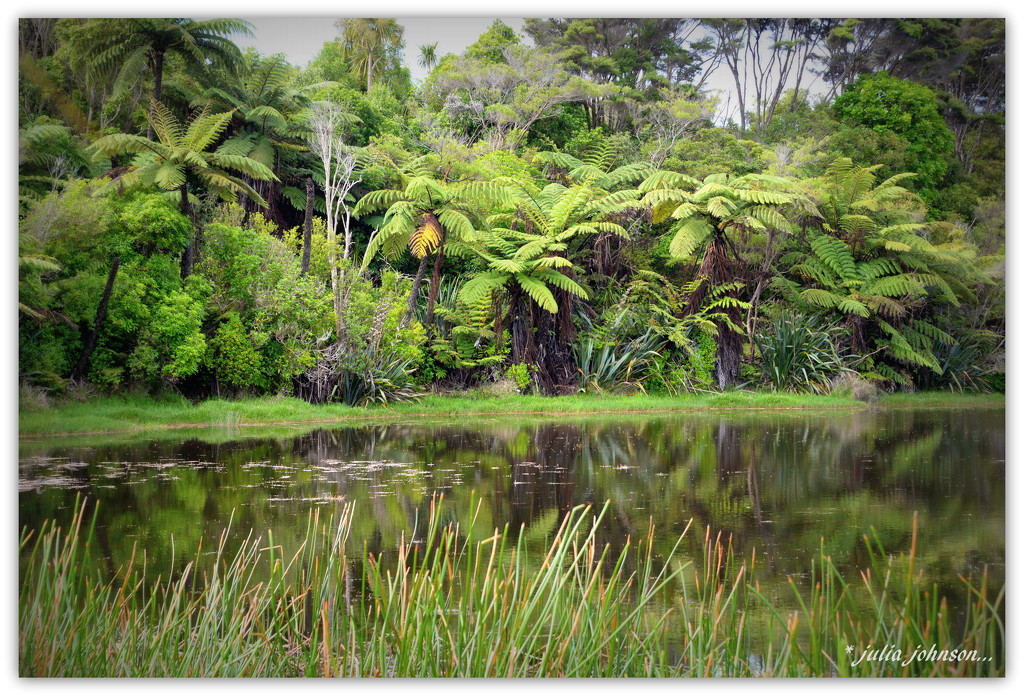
(784, 484)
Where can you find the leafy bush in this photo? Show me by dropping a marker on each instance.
(286, 315)
(233, 356)
(172, 345)
(521, 374)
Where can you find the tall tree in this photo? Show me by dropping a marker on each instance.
(367, 42)
(711, 212)
(132, 46)
(428, 56)
(883, 103)
(327, 126)
(182, 152)
(499, 102)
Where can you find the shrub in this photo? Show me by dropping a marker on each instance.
(797, 354)
(610, 366)
(521, 374)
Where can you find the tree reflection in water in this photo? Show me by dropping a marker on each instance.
(785, 484)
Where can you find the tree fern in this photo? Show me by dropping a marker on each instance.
(688, 237)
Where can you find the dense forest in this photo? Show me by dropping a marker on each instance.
(568, 209)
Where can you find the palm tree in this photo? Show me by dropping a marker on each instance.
(720, 206)
(428, 56)
(366, 41)
(180, 153)
(131, 46)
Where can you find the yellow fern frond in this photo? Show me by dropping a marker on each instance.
(426, 237)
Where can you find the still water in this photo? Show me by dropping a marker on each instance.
(785, 484)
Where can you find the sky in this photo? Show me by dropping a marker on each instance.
(301, 38)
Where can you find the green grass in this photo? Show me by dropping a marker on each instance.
(451, 605)
(141, 413)
(942, 399)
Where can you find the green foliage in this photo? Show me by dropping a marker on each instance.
(234, 358)
(182, 150)
(173, 346)
(713, 150)
(48, 157)
(525, 171)
(876, 268)
(464, 338)
(377, 359)
(521, 374)
(798, 354)
(568, 131)
(287, 316)
(422, 210)
(490, 45)
(71, 225)
(151, 224)
(883, 103)
(615, 367)
(390, 378)
(371, 48)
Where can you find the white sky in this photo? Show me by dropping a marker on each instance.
(301, 38)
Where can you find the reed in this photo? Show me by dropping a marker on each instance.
(446, 604)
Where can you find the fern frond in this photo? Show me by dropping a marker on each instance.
(836, 255)
(560, 280)
(663, 179)
(538, 292)
(378, 200)
(690, 235)
(480, 287)
(457, 224)
(427, 237)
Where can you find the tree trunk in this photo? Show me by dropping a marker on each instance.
(435, 281)
(717, 268)
(544, 342)
(188, 257)
(307, 225)
(101, 314)
(158, 82)
(414, 293)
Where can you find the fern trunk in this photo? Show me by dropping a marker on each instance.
(544, 341)
(414, 293)
(435, 282)
(717, 268)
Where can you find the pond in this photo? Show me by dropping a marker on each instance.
(785, 485)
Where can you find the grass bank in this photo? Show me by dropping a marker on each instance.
(139, 414)
(450, 605)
